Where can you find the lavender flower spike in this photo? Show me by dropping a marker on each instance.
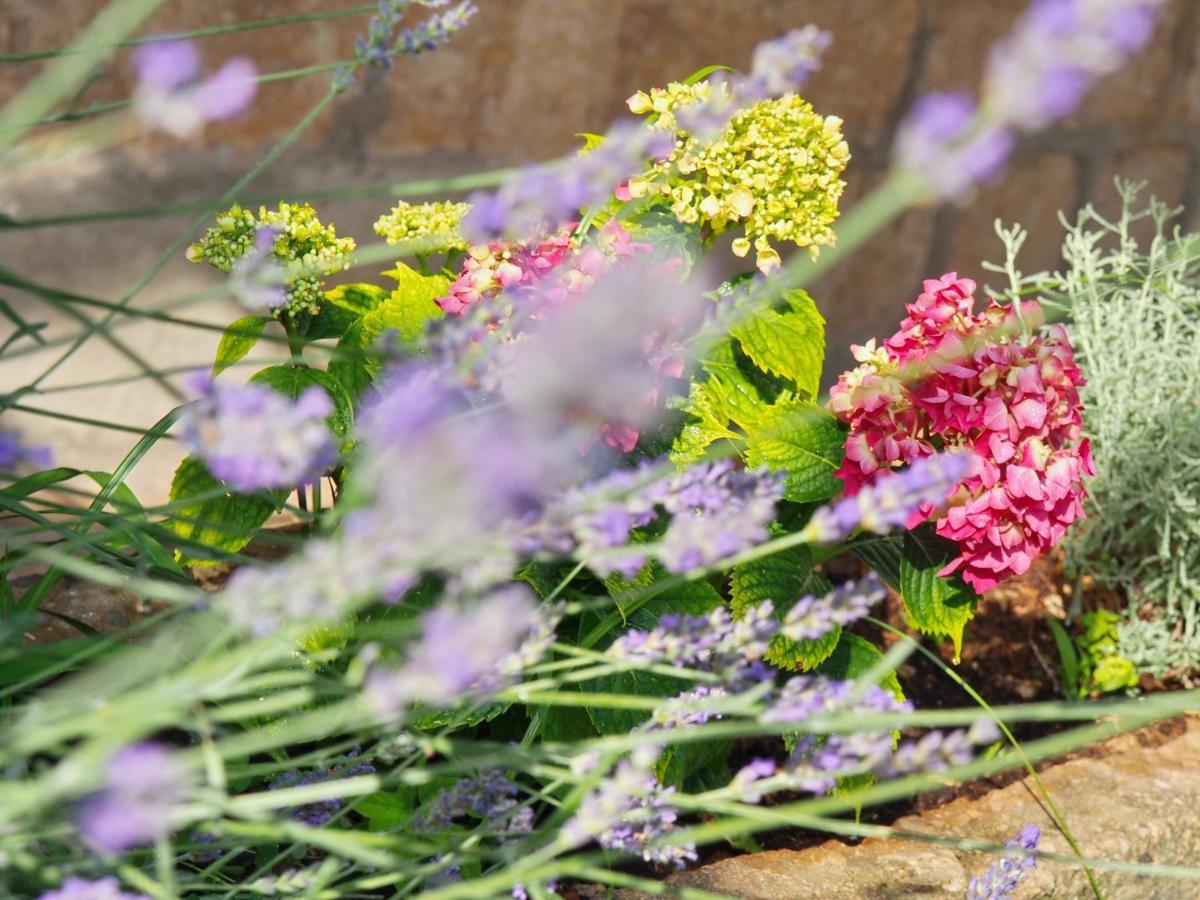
(947, 143)
(894, 500)
(144, 783)
(255, 438)
(1058, 50)
(75, 888)
(812, 617)
(1002, 877)
(784, 64)
(171, 95)
(465, 652)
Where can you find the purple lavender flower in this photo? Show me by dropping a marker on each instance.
(1002, 877)
(171, 95)
(630, 811)
(692, 707)
(258, 280)
(15, 453)
(465, 652)
(319, 813)
(75, 888)
(492, 799)
(379, 47)
(144, 784)
(717, 511)
(746, 782)
(1058, 50)
(893, 499)
(812, 617)
(714, 643)
(437, 30)
(783, 65)
(946, 142)
(255, 438)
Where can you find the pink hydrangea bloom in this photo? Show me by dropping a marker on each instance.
(952, 378)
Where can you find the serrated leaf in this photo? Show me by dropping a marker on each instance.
(935, 605)
(225, 522)
(353, 368)
(407, 309)
(292, 381)
(855, 656)
(343, 306)
(678, 762)
(609, 721)
(720, 407)
(783, 578)
(788, 342)
(239, 338)
(802, 440)
(689, 598)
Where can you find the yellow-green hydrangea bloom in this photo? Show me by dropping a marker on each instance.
(436, 224)
(306, 249)
(775, 169)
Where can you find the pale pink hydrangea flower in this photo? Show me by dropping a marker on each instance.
(952, 378)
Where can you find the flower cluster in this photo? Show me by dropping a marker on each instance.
(542, 195)
(951, 378)
(319, 813)
(436, 225)
(381, 46)
(75, 888)
(171, 96)
(716, 510)
(465, 651)
(15, 452)
(629, 811)
(254, 438)
(775, 168)
(306, 249)
(813, 617)
(143, 785)
(491, 799)
(1002, 877)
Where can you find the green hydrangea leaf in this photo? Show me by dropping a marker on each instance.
(223, 521)
(352, 367)
(239, 338)
(407, 309)
(720, 407)
(855, 656)
(783, 578)
(802, 440)
(343, 307)
(934, 604)
(787, 340)
(292, 381)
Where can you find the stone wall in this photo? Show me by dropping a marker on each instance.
(525, 78)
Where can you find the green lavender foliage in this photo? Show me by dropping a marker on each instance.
(1130, 291)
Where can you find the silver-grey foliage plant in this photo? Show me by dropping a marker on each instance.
(1130, 292)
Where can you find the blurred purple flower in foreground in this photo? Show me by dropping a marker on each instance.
(143, 784)
(1054, 55)
(1001, 877)
(75, 888)
(467, 650)
(254, 438)
(1057, 51)
(258, 280)
(14, 452)
(171, 95)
